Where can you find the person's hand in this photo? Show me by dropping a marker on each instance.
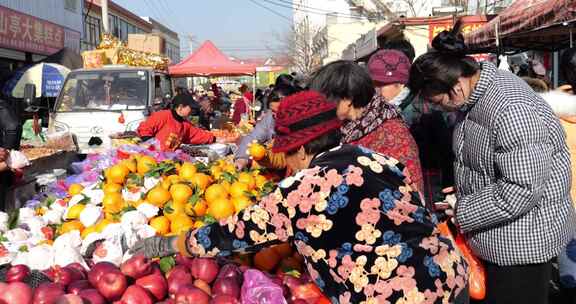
(447, 205)
(156, 246)
(3, 166)
(4, 153)
(241, 163)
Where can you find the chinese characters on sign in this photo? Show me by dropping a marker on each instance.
(30, 34)
(435, 29)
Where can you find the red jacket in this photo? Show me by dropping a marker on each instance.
(171, 132)
(393, 139)
(240, 108)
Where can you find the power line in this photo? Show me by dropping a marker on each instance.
(271, 10)
(310, 11)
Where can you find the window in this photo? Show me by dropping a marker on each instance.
(71, 5)
(123, 30)
(91, 37)
(114, 25)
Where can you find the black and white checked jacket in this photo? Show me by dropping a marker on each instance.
(512, 172)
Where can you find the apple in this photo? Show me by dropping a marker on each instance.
(136, 266)
(224, 299)
(63, 276)
(226, 286)
(79, 268)
(92, 296)
(178, 279)
(17, 273)
(76, 286)
(71, 299)
(47, 293)
(205, 269)
(203, 285)
(189, 294)
(98, 270)
(155, 284)
(112, 285)
(136, 294)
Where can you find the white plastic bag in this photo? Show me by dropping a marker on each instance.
(17, 160)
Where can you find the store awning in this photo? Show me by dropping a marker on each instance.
(208, 60)
(526, 24)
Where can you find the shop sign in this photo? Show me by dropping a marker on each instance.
(366, 44)
(435, 29)
(29, 34)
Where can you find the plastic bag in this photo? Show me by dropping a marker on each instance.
(17, 160)
(567, 265)
(477, 279)
(259, 289)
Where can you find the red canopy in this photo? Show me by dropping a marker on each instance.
(208, 60)
(527, 24)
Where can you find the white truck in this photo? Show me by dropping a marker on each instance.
(94, 104)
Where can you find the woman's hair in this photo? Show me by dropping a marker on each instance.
(437, 71)
(323, 143)
(568, 67)
(401, 45)
(344, 80)
(285, 85)
(538, 85)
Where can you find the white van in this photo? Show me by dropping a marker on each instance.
(96, 103)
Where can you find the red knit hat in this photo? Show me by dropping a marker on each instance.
(301, 118)
(389, 66)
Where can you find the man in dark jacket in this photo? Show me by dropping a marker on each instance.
(10, 131)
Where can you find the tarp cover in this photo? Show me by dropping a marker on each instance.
(208, 60)
(527, 24)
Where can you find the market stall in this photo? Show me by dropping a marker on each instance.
(545, 25)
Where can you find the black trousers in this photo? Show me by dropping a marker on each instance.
(6, 178)
(517, 284)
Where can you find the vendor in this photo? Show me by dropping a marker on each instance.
(172, 128)
(10, 133)
(363, 231)
(264, 130)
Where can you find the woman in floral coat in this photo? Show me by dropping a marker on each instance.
(363, 231)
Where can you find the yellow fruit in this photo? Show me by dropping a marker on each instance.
(112, 188)
(200, 180)
(145, 163)
(221, 208)
(158, 196)
(89, 230)
(113, 203)
(257, 151)
(215, 192)
(161, 224)
(71, 226)
(230, 168)
(102, 224)
(198, 224)
(226, 185)
(75, 189)
(166, 184)
(74, 211)
(180, 193)
(238, 189)
(216, 172)
(174, 179)
(131, 164)
(197, 209)
(171, 210)
(118, 174)
(181, 223)
(187, 170)
(248, 179)
(260, 181)
(241, 203)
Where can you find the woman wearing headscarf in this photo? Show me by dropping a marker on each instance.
(362, 229)
(369, 120)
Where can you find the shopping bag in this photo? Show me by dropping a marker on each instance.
(477, 279)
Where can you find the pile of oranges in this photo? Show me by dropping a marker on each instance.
(189, 195)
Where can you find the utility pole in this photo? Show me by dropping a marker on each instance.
(105, 23)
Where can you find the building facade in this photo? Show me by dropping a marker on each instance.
(171, 39)
(121, 23)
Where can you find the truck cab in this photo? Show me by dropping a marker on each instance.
(96, 103)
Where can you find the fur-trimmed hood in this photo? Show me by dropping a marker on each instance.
(563, 104)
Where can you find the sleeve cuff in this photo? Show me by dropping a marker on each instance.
(182, 244)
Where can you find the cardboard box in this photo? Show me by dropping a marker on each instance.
(94, 59)
(150, 43)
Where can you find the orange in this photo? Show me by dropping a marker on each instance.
(145, 164)
(216, 172)
(161, 224)
(166, 184)
(181, 193)
(226, 185)
(198, 224)
(118, 174)
(245, 177)
(181, 223)
(158, 196)
(201, 180)
(196, 209)
(174, 179)
(230, 168)
(101, 225)
(220, 208)
(241, 203)
(215, 192)
(131, 164)
(284, 250)
(260, 181)
(238, 189)
(74, 211)
(257, 151)
(113, 203)
(89, 230)
(187, 170)
(71, 226)
(75, 189)
(266, 259)
(112, 188)
(171, 210)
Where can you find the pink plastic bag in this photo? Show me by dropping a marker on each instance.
(259, 289)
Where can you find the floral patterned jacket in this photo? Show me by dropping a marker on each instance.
(364, 234)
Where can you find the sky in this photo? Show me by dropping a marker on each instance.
(241, 28)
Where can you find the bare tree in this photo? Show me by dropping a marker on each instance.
(415, 6)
